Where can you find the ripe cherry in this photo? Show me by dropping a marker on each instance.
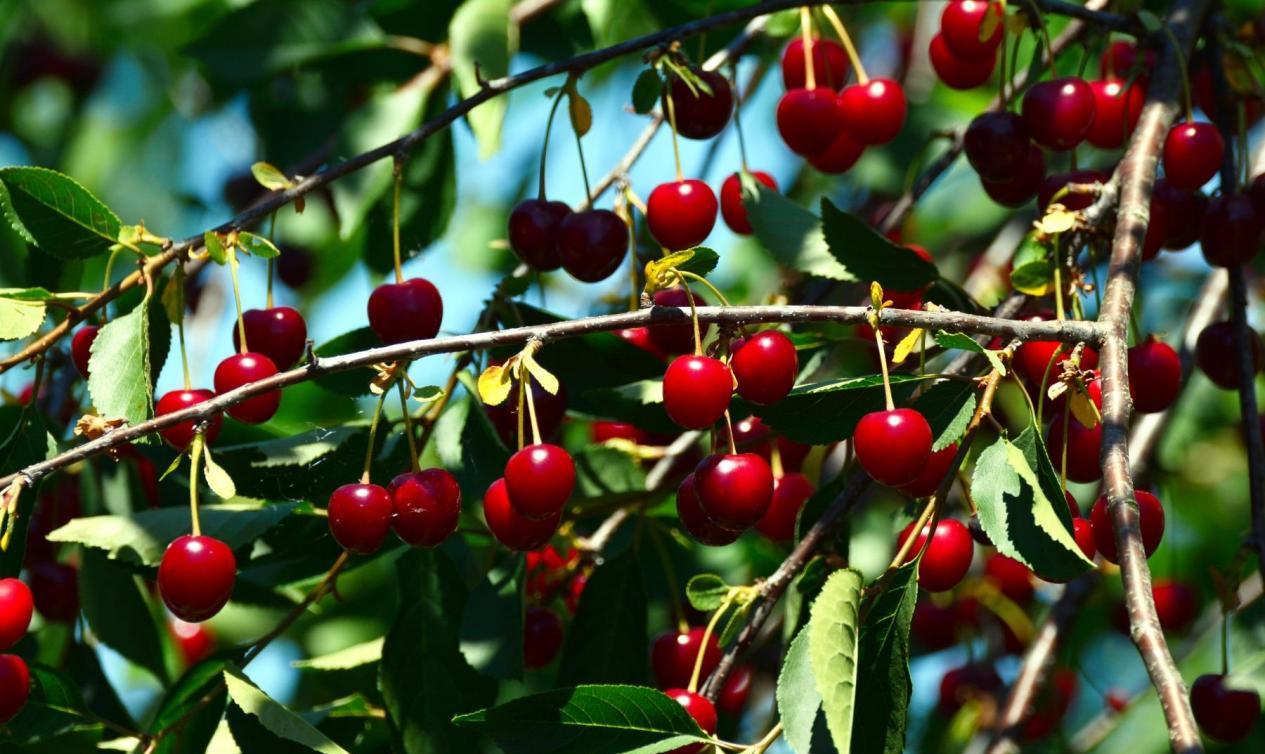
(765, 367)
(1176, 605)
(840, 156)
(180, 435)
(696, 390)
(542, 637)
(1041, 361)
(592, 244)
(1217, 354)
(681, 214)
(1019, 189)
(1059, 113)
(294, 266)
(962, 28)
(511, 529)
(242, 369)
(533, 232)
(699, 708)
(830, 64)
(196, 577)
(1192, 154)
(1155, 375)
(1051, 704)
(673, 654)
(731, 206)
(700, 115)
(873, 112)
(1117, 107)
(278, 333)
(1224, 713)
(1232, 231)
(426, 506)
(790, 492)
(734, 490)
(676, 338)
(550, 410)
(947, 558)
(1151, 522)
(1083, 448)
(16, 606)
(55, 589)
(400, 312)
(539, 479)
(997, 145)
(933, 472)
(15, 686)
(640, 337)
(1187, 210)
(893, 446)
(958, 72)
(1121, 58)
(360, 516)
(1012, 578)
(1083, 533)
(195, 641)
(733, 695)
(809, 119)
(934, 627)
(969, 682)
(81, 347)
(696, 522)
(547, 569)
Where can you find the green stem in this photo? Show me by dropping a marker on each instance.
(272, 233)
(373, 434)
(196, 459)
(408, 428)
(395, 220)
(237, 301)
(676, 148)
(544, 147)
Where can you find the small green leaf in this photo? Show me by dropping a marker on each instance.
(257, 246)
(706, 592)
(1032, 271)
(481, 39)
(19, 318)
(606, 642)
(702, 262)
(962, 342)
(275, 717)
(790, 233)
(833, 639)
(215, 247)
(798, 701)
(120, 379)
(354, 656)
(56, 214)
(270, 176)
(646, 91)
(219, 480)
(868, 255)
(1150, 21)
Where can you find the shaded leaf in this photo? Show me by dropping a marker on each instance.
(792, 234)
(492, 623)
(55, 213)
(882, 711)
(948, 407)
(481, 39)
(703, 261)
(825, 412)
(275, 717)
(344, 659)
(646, 91)
(868, 255)
(116, 610)
(352, 382)
(606, 642)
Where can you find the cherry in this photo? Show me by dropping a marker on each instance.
(1059, 113)
(542, 637)
(962, 28)
(592, 244)
(575, 591)
(195, 641)
(360, 516)
(1011, 578)
(57, 507)
(1217, 354)
(1083, 533)
(1155, 375)
(16, 606)
(1073, 507)
(790, 492)
(830, 64)
(700, 115)
(400, 312)
(278, 333)
(539, 480)
(180, 435)
(196, 576)
(1019, 189)
(55, 590)
(960, 685)
(934, 627)
(681, 214)
(1083, 448)
(933, 472)
(997, 145)
(426, 506)
(15, 686)
(765, 367)
(676, 338)
(1121, 57)
(840, 156)
(550, 410)
(673, 654)
(1232, 231)
(81, 347)
(1072, 201)
(1151, 522)
(893, 446)
(242, 369)
(603, 431)
(640, 337)
(1176, 605)
(699, 708)
(1117, 107)
(1177, 218)
(958, 72)
(809, 119)
(1224, 714)
(734, 490)
(696, 522)
(733, 695)
(1041, 361)
(947, 557)
(547, 569)
(510, 529)
(731, 206)
(1051, 704)
(294, 266)
(1192, 154)
(696, 390)
(873, 112)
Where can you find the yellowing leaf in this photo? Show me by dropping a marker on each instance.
(428, 394)
(1056, 220)
(19, 319)
(542, 375)
(1083, 408)
(270, 176)
(992, 19)
(217, 478)
(907, 345)
(876, 295)
(657, 270)
(494, 385)
(581, 112)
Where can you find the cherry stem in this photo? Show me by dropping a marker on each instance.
(738, 100)
(1058, 280)
(408, 428)
(272, 232)
(522, 411)
(806, 34)
(707, 635)
(109, 270)
(689, 296)
(1044, 33)
(373, 433)
(1225, 644)
(715, 291)
(184, 355)
(1188, 101)
(775, 460)
(544, 147)
(531, 409)
(1002, 78)
(634, 290)
(902, 553)
(676, 147)
(398, 174)
(1067, 421)
(846, 39)
(769, 739)
(196, 459)
(729, 432)
(237, 301)
(882, 362)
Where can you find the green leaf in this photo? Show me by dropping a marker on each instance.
(467, 444)
(352, 382)
(882, 711)
(54, 706)
(639, 403)
(703, 262)
(601, 470)
(606, 642)
(187, 701)
(1033, 270)
(826, 412)
(948, 407)
(646, 91)
(19, 318)
(354, 656)
(273, 716)
(482, 39)
(270, 176)
(257, 246)
(117, 612)
(706, 592)
(219, 480)
(792, 234)
(870, 256)
(120, 376)
(56, 214)
(492, 623)
(962, 342)
(798, 701)
(25, 441)
(215, 247)
(27, 294)
(588, 719)
(833, 638)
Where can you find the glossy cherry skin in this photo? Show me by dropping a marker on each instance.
(673, 654)
(830, 64)
(539, 480)
(542, 637)
(1018, 190)
(731, 206)
(997, 145)
(81, 347)
(1041, 361)
(696, 390)
(1083, 533)
(873, 112)
(1176, 220)
(1012, 578)
(696, 522)
(947, 558)
(1224, 714)
(360, 516)
(509, 528)
(1053, 184)
(681, 214)
(840, 156)
(1192, 154)
(933, 472)
(676, 338)
(195, 641)
(957, 72)
(1059, 113)
(426, 506)
(734, 694)
(550, 410)
(735, 490)
(400, 312)
(196, 577)
(1232, 231)
(180, 435)
(1176, 605)
(241, 369)
(1216, 354)
(699, 708)
(893, 446)
(15, 686)
(1083, 448)
(16, 607)
(533, 232)
(55, 590)
(766, 367)
(962, 28)
(809, 119)
(1155, 376)
(790, 492)
(280, 333)
(1151, 522)
(1117, 107)
(640, 337)
(700, 115)
(592, 244)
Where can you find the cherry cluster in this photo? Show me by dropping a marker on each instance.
(16, 608)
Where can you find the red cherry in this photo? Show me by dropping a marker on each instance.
(1187, 210)
(734, 491)
(547, 568)
(933, 472)
(873, 112)
(360, 516)
(592, 244)
(602, 431)
(733, 695)
(731, 206)
(539, 479)
(542, 637)
(676, 338)
(1121, 58)
(640, 337)
(1051, 704)
(696, 390)
(673, 654)
(700, 115)
(1083, 448)
(1155, 376)
(16, 606)
(963, 684)
(180, 435)
(789, 495)
(997, 145)
(1232, 231)
(426, 506)
(1117, 107)
(511, 529)
(699, 708)
(81, 347)
(1018, 190)
(893, 446)
(194, 640)
(1217, 354)
(294, 266)
(1041, 361)
(1176, 605)
(840, 156)
(830, 64)
(533, 232)
(400, 312)
(962, 28)
(15, 686)
(1192, 154)
(1059, 113)
(575, 590)
(1055, 183)
(1011, 578)
(1151, 517)
(1224, 714)
(809, 119)
(957, 72)
(681, 214)
(550, 410)
(765, 367)
(196, 577)
(947, 558)
(934, 627)
(55, 590)
(1083, 533)
(278, 333)
(696, 522)
(242, 369)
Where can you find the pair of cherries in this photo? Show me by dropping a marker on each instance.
(697, 389)
(589, 244)
(681, 214)
(964, 52)
(524, 507)
(16, 608)
(422, 507)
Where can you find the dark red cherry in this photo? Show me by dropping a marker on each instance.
(16, 606)
(1059, 113)
(1083, 533)
(1083, 448)
(673, 654)
(681, 214)
(1183, 211)
(699, 708)
(602, 431)
(809, 119)
(550, 410)
(731, 206)
(1176, 605)
(547, 571)
(933, 472)
(294, 266)
(542, 637)
(700, 115)
(1192, 154)
(893, 446)
(1151, 521)
(997, 145)
(733, 695)
(840, 156)
(789, 495)
(243, 369)
(180, 435)
(947, 558)
(592, 244)
(539, 480)
(734, 491)
(278, 333)
(195, 641)
(1217, 354)
(360, 516)
(962, 28)
(55, 589)
(873, 112)
(196, 577)
(977, 681)
(640, 337)
(830, 64)
(696, 522)
(1050, 705)
(765, 367)
(509, 528)
(676, 338)
(1012, 578)
(696, 390)
(934, 627)
(426, 506)
(15, 686)
(1018, 190)
(1041, 361)
(1232, 231)
(1155, 375)
(400, 312)
(533, 232)
(81, 347)
(1072, 201)
(957, 72)
(1121, 58)
(1117, 107)
(1224, 713)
